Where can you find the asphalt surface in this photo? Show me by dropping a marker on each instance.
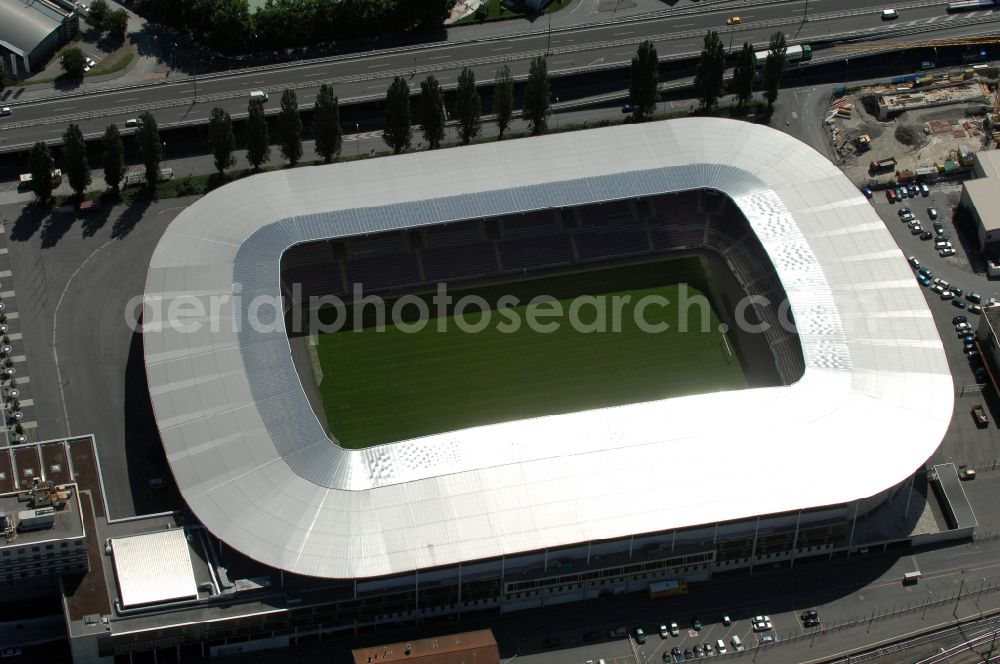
(189, 99)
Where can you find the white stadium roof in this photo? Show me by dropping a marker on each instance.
(254, 463)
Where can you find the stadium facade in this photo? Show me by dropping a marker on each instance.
(559, 508)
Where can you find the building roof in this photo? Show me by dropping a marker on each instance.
(988, 162)
(24, 24)
(479, 647)
(257, 468)
(984, 194)
(153, 568)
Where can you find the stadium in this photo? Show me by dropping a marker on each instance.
(613, 462)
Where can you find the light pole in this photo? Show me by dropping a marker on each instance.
(557, 113)
(357, 138)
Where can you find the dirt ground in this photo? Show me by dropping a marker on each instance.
(916, 138)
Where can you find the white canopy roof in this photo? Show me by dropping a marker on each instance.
(256, 467)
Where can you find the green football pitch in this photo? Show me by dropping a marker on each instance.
(386, 384)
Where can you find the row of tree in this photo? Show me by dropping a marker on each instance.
(397, 129)
(230, 26)
(709, 83)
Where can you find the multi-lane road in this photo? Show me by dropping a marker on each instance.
(180, 100)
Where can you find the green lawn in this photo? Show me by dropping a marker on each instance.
(389, 385)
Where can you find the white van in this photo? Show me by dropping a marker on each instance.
(258, 96)
(889, 14)
(720, 646)
(737, 644)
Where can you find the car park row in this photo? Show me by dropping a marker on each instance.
(761, 625)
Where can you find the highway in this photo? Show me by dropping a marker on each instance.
(188, 100)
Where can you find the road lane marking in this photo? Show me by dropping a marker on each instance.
(383, 64)
(439, 57)
(503, 48)
(64, 108)
(623, 34)
(322, 73)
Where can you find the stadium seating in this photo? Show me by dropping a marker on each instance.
(612, 242)
(384, 271)
(457, 262)
(530, 225)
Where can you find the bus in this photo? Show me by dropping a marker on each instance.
(667, 589)
(797, 53)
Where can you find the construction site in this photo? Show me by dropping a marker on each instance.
(917, 127)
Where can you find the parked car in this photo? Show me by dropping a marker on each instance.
(958, 303)
(767, 638)
(908, 217)
(911, 190)
(975, 297)
(763, 626)
(674, 629)
(696, 624)
(944, 253)
(974, 309)
(963, 326)
(698, 651)
(903, 210)
(726, 620)
(966, 473)
(5, 110)
(926, 235)
(916, 230)
(889, 14)
(901, 193)
(707, 649)
(927, 64)
(947, 295)
(959, 319)
(937, 288)
(926, 272)
(924, 189)
(955, 290)
(811, 622)
(664, 632)
(890, 195)
(806, 615)
(924, 281)
(627, 108)
(640, 636)
(932, 213)
(979, 415)
(867, 192)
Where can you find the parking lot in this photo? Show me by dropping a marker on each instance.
(965, 271)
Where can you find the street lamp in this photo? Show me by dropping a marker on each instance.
(357, 138)
(557, 113)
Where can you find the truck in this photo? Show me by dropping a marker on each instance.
(797, 53)
(667, 589)
(882, 165)
(971, 5)
(24, 180)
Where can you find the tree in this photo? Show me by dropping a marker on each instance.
(114, 157)
(75, 159)
(42, 180)
(258, 147)
(117, 24)
(396, 131)
(536, 96)
(468, 106)
(744, 74)
(98, 13)
(432, 117)
(220, 134)
(503, 99)
(711, 67)
(73, 61)
(774, 67)
(326, 124)
(290, 128)
(643, 90)
(150, 147)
